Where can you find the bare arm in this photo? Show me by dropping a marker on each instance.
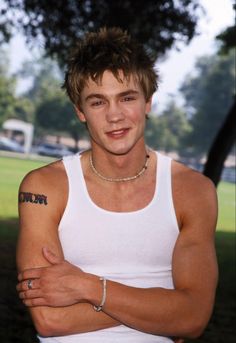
(183, 311)
(39, 228)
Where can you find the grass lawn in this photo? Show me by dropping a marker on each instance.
(226, 199)
(15, 324)
(12, 171)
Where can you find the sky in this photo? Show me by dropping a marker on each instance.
(177, 64)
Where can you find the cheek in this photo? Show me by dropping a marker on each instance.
(134, 112)
(93, 125)
(138, 114)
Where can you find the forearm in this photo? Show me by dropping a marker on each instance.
(183, 311)
(154, 310)
(74, 319)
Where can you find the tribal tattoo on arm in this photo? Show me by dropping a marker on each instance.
(40, 199)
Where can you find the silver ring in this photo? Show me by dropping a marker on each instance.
(29, 284)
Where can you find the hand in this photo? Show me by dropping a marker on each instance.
(60, 284)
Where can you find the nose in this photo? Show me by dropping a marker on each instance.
(114, 113)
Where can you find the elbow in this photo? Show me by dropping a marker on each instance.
(43, 329)
(45, 324)
(196, 319)
(195, 327)
(195, 331)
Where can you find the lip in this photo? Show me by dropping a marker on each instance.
(117, 133)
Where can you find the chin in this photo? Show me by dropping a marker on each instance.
(119, 151)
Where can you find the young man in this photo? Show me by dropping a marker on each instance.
(116, 244)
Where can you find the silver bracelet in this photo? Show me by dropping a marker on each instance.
(104, 293)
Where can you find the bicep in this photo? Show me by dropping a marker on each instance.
(38, 227)
(194, 265)
(194, 259)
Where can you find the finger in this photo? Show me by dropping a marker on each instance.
(24, 286)
(34, 302)
(50, 256)
(33, 273)
(21, 287)
(32, 294)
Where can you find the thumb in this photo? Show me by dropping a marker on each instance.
(50, 256)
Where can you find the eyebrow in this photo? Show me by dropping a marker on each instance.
(101, 96)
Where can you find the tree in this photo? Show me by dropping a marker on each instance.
(45, 76)
(58, 23)
(208, 95)
(168, 130)
(54, 112)
(7, 99)
(225, 138)
(24, 109)
(9, 103)
(56, 115)
(221, 146)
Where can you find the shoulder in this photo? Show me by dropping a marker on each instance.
(193, 192)
(46, 185)
(191, 180)
(46, 176)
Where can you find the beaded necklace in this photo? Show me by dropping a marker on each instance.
(122, 179)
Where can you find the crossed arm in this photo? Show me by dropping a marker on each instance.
(62, 296)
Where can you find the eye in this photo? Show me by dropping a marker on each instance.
(97, 103)
(128, 98)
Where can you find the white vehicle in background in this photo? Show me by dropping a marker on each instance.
(52, 150)
(8, 144)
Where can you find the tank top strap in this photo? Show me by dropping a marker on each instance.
(164, 177)
(74, 172)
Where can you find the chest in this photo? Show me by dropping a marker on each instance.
(123, 197)
(103, 242)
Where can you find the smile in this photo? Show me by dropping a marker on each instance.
(117, 133)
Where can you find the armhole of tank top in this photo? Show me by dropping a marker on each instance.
(171, 196)
(165, 184)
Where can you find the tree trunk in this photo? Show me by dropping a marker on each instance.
(221, 147)
(75, 136)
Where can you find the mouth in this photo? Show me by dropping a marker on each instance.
(117, 133)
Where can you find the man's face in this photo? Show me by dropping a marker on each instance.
(114, 112)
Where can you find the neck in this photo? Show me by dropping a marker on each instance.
(119, 168)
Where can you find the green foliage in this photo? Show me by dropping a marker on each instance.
(168, 130)
(227, 37)
(11, 105)
(156, 23)
(45, 76)
(208, 95)
(7, 89)
(24, 109)
(56, 115)
(54, 112)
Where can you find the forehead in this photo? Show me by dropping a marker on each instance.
(109, 84)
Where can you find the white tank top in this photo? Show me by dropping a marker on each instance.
(134, 248)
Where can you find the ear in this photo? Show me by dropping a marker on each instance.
(80, 114)
(148, 105)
